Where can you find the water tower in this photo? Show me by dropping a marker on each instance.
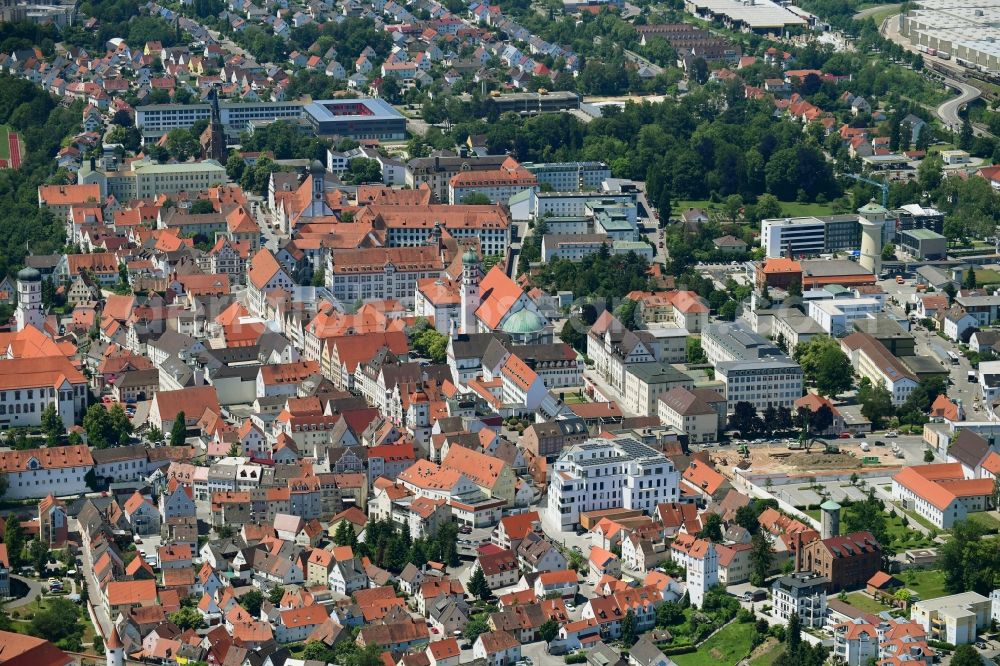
(830, 519)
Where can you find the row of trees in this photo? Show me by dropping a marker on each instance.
(393, 549)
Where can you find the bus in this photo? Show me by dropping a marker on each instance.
(954, 357)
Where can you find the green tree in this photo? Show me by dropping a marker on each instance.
(629, 636)
(478, 585)
(370, 655)
(57, 622)
(694, 353)
(120, 425)
(868, 515)
(476, 199)
(966, 655)
(155, 435)
(178, 432)
(52, 425)
(793, 633)
(876, 402)
(969, 559)
(712, 528)
(888, 252)
(628, 314)
(476, 625)
(182, 144)
(549, 630)
(767, 207)
(201, 207)
(969, 280)
(669, 614)
(38, 555)
(825, 363)
(97, 425)
(252, 601)
(318, 651)
(344, 535)
(187, 618)
(14, 538)
(795, 289)
(965, 135)
(275, 594)
(761, 556)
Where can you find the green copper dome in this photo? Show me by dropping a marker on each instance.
(523, 321)
(470, 257)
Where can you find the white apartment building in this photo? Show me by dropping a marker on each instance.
(686, 413)
(734, 342)
(955, 619)
(35, 473)
(879, 365)
(803, 593)
(572, 247)
(769, 382)
(940, 493)
(836, 315)
(570, 176)
(531, 204)
(606, 474)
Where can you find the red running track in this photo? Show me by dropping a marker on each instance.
(15, 150)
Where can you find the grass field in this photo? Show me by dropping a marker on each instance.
(574, 399)
(864, 602)
(927, 584)
(987, 275)
(985, 519)
(788, 208)
(727, 647)
(5, 141)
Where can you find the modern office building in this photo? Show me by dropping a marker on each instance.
(770, 382)
(923, 243)
(535, 103)
(155, 120)
(836, 315)
(609, 474)
(810, 236)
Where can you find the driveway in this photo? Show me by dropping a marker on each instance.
(34, 591)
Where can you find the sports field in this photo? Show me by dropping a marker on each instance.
(10, 148)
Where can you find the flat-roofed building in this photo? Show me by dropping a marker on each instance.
(924, 244)
(955, 619)
(361, 118)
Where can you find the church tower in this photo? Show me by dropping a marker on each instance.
(471, 274)
(217, 136)
(29, 299)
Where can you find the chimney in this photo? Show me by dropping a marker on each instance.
(798, 552)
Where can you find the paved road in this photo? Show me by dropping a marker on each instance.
(949, 110)
(34, 591)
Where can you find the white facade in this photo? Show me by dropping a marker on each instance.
(836, 315)
(570, 176)
(773, 382)
(34, 473)
(606, 474)
(29, 300)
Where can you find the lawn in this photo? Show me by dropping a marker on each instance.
(5, 141)
(984, 519)
(927, 584)
(815, 514)
(727, 647)
(575, 399)
(788, 208)
(987, 275)
(865, 603)
(769, 651)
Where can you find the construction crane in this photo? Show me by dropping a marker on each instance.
(882, 185)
